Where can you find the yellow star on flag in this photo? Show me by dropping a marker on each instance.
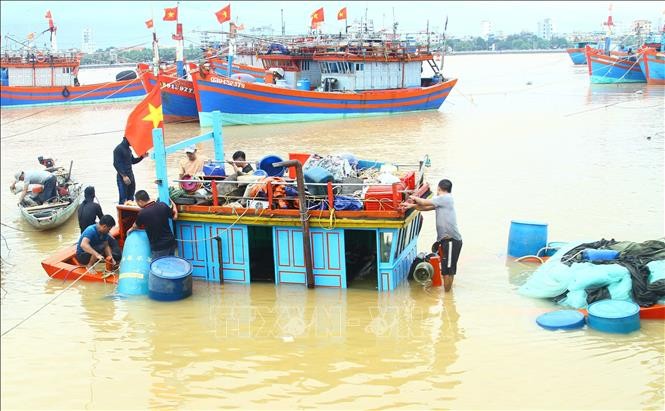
(224, 13)
(171, 14)
(315, 16)
(156, 115)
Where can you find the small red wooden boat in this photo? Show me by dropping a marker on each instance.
(64, 266)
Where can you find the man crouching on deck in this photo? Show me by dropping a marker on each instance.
(93, 244)
(448, 235)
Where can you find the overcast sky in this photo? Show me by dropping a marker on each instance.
(121, 23)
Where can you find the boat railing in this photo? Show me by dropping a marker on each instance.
(390, 198)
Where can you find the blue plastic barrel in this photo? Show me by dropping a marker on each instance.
(526, 238)
(317, 175)
(614, 316)
(303, 84)
(214, 168)
(265, 164)
(600, 255)
(170, 279)
(135, 264)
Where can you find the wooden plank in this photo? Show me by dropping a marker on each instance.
(45, 206)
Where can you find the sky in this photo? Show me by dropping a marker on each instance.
(121, 23)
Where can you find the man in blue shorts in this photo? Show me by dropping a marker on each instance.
(94, 245)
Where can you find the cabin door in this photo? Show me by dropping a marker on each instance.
(328, 261)
(235, 253)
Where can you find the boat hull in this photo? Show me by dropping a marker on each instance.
(609, 69)
(653, 66)
(14, 96)
(62, 265)
(577, 56)
(57, 219)
(249, 103)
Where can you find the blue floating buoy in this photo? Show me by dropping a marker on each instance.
(600, 255)
(561, 320)
(614, 316)
(170, 279)
(135, 264)
(526, 238)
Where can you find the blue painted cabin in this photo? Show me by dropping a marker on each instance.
(374, 258)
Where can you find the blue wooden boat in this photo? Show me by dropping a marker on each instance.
(249, 243)
(605, 69)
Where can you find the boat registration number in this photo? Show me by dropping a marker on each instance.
(177, 87)
(227, 82)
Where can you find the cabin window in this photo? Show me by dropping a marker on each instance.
(386, 245)
(334, 68)
(324, 67)
(304, 65)
(400, 241)
(360, 66)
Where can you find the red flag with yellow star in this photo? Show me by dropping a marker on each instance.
(145, 116)
(170, 14)
(317, 16)
(224, 14)
(341, 15)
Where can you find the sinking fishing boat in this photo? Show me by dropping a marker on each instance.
(317, 229)
(329, 81)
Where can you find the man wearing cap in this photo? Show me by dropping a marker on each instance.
(193, 164)
(43, 177)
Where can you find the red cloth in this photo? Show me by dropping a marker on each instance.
(342, 14)
(149, 24)
(145, 116)
(317, 16)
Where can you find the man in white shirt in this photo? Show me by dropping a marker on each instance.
(42, 177)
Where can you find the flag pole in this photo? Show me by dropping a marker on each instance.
(155, 46)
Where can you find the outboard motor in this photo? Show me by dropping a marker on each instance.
(46, 162)
(126, 75)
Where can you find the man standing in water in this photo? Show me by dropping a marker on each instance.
(155, 217)
(448, 235)
(122, 162)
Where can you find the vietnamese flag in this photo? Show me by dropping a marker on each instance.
(224, 14)
(342, 14)
(149, 24)
(145, 116)
(170, 14)
(317, 16)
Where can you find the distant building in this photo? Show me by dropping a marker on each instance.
(87, 45)
(546, 29)
(640, 27)
(485, 29)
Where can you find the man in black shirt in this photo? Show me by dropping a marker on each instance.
(122, 162)
(154, 218)
(240, 164)
(88, 212)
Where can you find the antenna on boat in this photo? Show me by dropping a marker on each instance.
(52, 28)
(283, 26)
(155, 47)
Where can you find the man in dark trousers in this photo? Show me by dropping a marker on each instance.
(122, 162)
(448, 235)
(154, 218)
